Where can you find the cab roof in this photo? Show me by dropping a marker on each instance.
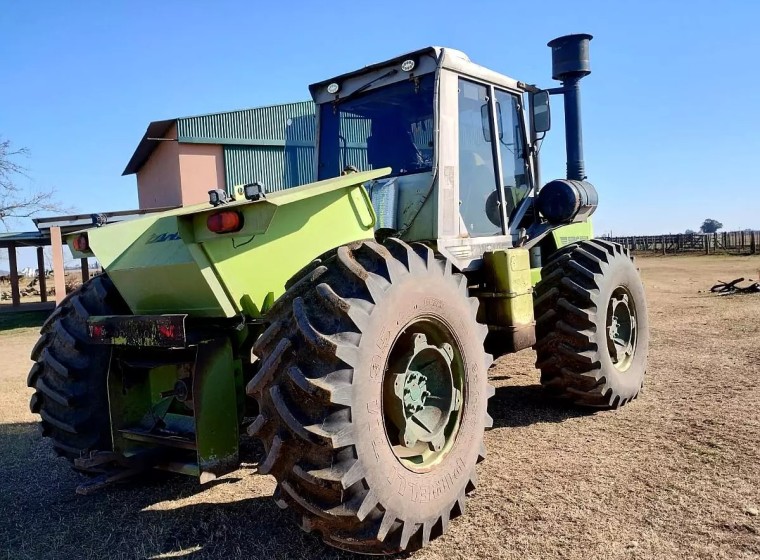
(448, 58)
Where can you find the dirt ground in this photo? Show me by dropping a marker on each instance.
(675, 474)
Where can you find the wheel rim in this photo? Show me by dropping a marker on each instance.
(422, 394)
(621, 328)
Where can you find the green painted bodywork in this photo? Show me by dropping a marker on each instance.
(571, 233)
(171, 263)
(202, 431)
(564, 236)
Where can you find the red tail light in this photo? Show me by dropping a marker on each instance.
(225, 222)
(81, 243)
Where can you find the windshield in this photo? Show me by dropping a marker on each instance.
(391, 126)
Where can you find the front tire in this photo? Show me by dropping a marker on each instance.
(373, 391)
(592, 328)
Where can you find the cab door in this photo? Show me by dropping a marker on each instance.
(493, 177)
(511, 147)
(479, 200)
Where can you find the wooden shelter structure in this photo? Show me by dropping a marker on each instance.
(50, 232)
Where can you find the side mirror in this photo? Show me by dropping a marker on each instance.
(542, 117)
(499, 122)
(485, 122)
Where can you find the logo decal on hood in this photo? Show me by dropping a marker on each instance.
(161, 237)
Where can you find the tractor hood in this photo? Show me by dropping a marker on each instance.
(172, 262)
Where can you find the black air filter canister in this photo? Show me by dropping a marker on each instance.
(563, 201)
(570, 56)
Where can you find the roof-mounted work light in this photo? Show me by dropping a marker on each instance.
(217, 197)
(254, 191)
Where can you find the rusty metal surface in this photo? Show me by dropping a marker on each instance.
(162, 331)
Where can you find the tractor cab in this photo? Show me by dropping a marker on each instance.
(454, 134)
(460, 144)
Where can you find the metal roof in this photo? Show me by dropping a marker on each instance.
(259, 126)
(74, 222)
(68, 224)
(156, 129)
(24, 239)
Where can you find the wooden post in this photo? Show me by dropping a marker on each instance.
(41, 273)
(59, 273)
(707, 244)
(663, 244)
(752, 245)
(15, 295)
(85, 270)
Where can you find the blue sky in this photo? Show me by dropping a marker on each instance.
(671, 113)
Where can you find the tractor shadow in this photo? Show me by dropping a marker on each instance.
(159, 515)
(524, 405)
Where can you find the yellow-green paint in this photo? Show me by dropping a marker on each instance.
(215, 408)
(208, 421)
(171, 263)
(510, 274)
(256, 267)
(571, 233)
(535, 276)
(562, 236)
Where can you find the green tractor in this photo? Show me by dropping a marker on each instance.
(350, 323)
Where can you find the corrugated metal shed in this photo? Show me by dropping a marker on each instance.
(262, 125)
(281, 162)
(273, 145)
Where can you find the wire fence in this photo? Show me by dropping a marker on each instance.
(734, 242)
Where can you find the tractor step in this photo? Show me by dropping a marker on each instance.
(176, 441)
(115, 467)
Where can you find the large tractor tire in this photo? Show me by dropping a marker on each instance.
(69, 373)
(592, 329)
(373, 393)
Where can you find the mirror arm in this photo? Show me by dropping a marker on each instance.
(556, 90)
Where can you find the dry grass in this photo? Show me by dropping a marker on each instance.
(676, 474)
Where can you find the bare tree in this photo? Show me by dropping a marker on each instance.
(16, 202)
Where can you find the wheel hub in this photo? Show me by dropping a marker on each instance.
(422, 399)
(621, 328)
(415, 391)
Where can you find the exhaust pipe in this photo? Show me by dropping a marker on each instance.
(570, 64)
(574, 199)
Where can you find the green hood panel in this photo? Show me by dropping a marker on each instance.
(171, 263)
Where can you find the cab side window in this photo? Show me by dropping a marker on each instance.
(477, 178)
(511, 149)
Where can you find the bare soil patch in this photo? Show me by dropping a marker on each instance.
(675, 474)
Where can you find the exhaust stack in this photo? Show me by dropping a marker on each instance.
(570, 63)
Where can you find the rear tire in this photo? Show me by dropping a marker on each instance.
(69, 373)
(322, 389)
(592, 328)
